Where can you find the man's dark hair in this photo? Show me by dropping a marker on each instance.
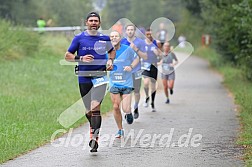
(93, 14)
(130, 25)
(148, 29)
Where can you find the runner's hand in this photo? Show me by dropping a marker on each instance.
(127, 68)
(87, 58)
(109, 65)
(172, 65)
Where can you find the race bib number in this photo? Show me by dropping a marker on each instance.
(100, 81)
(118, 77)
(138, 74)
(167, 69)
(146, 66)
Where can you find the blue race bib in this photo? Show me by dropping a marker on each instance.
(99, 81)
(118, 77)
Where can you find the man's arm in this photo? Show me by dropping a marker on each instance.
(133, 64)
(142, 54)
(157, 52)
(138, 51)
(69, 57)
(110, 61)
(112, 54)
(73, 58)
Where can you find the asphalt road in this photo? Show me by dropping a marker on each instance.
(198, 128)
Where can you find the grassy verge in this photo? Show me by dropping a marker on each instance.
(242, 91)
(16, 43)
(35, 90)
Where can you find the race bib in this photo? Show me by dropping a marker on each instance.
(167, 69)
(145, 66)
(118, 77)
(99, 81)
(138, 74)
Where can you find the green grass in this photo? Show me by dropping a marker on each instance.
(15, 42)
(35, 90)
(241, 88)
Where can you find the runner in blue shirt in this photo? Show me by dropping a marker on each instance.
(91, 47)
(150, 68)
(137, 45)
(121, 82)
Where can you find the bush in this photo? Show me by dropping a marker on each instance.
(242, 21)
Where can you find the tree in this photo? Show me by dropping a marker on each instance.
(115, 10)
(171, 9)
(16, 11)
(63, 12)
(229, 23)
(243, 21)
(143, 13)
(194, 6)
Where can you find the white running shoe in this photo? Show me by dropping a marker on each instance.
(145, 104)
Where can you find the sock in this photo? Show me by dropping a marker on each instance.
(147, 99)
(95, 124)
(153, 97)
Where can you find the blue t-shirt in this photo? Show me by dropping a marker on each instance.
(140, 45)
(96, 45)
(151, 56)
(118, 77)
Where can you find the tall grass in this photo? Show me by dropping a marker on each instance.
(16, 42)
